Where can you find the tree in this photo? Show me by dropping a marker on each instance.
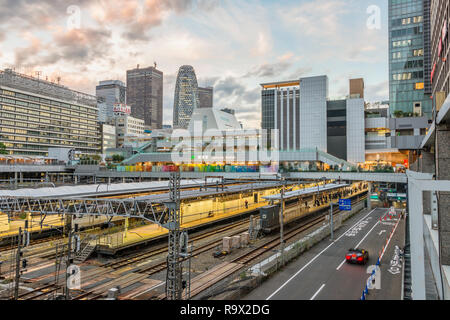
(117, 158)
(3, 148)
(398, 113)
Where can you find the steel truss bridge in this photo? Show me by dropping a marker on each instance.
(126, 208)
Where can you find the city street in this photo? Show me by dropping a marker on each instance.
(323, 274)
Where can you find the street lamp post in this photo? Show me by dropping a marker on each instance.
(331, 219)
(281, 215)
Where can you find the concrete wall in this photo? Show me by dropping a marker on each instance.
(374, 123)
(443, 173)
(408, 123)
(356, 147)
(406, 142)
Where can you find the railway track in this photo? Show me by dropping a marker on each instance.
(247, 257)
(161, 266)
(39, 292)
(32, 242)
(154, 252)
(244, 259)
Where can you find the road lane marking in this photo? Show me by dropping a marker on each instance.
(367, 234)
(313, 259)
(317, 292)
(342, 263)
(354, 232)
(387, 244)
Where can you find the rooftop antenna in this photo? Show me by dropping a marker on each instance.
(38, 74)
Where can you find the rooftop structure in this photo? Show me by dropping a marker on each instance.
(280, 84)
(21, 81)
(209, 118)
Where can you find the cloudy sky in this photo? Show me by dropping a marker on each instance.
(234, 45)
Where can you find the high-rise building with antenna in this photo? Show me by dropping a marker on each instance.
(145, 95)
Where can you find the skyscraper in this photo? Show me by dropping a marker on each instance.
(145, 95)
(206, 96)
(186, 97)
(409, 56)
(440, 47)
(109, 92)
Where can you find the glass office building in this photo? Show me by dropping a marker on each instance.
(409, 57)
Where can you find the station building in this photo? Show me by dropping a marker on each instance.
(38, 114)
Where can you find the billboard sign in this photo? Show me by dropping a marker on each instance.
(122, 108)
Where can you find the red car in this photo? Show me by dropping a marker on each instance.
(359, 256)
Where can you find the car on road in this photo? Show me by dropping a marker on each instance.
(358, 256)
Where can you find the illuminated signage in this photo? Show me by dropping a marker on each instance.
(420, 85)
(406, 162)
(432, 72)
(122, 108)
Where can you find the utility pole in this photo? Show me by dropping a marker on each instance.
(281, 215)
(17, 277)
(186, 253)
(68, 262)
(174, 281)
(331, 219)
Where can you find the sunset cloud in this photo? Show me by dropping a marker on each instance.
(233, 45)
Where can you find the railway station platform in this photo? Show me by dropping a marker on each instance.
(10, 229)
(110, 244)
(244, 206)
